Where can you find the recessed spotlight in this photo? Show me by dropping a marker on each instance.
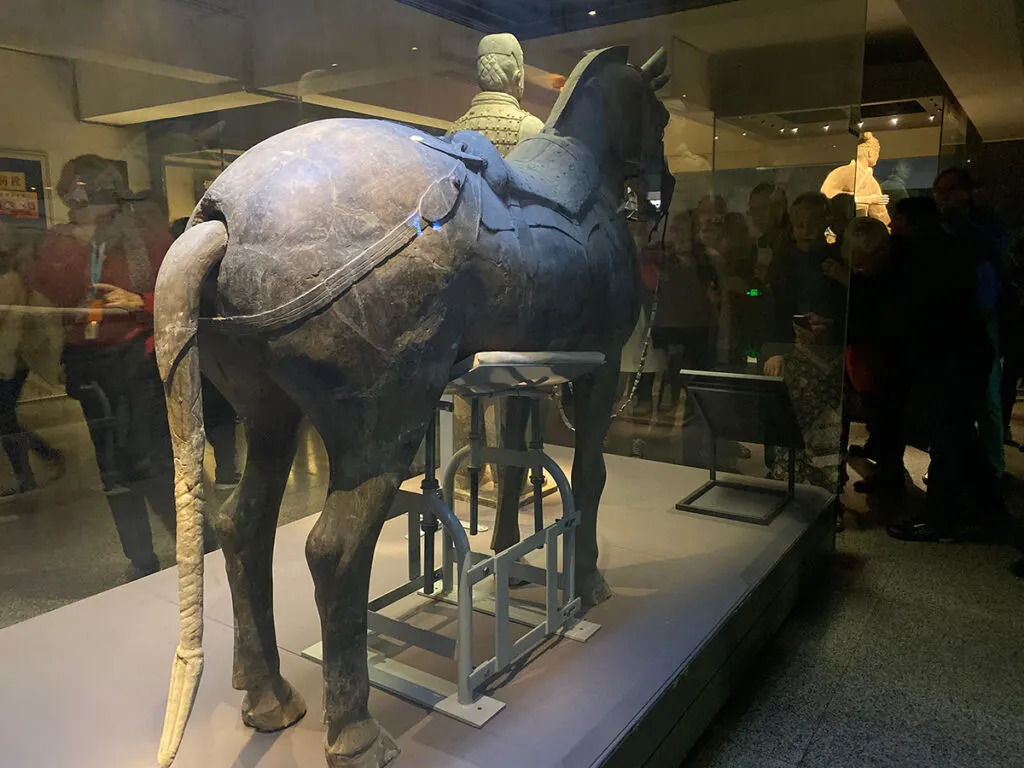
(895, 121)
(931, 118)
(744, 133)
(794, 130)
(591, 13)
(334, 65)
(782, 130)
(860, 124)
(716, 138)
(415, 48)
(826, 127)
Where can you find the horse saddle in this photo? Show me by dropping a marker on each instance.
(553, 171)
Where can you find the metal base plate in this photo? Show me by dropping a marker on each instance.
(762, 503)
(580, 631)
(427, 690)
(527, 615)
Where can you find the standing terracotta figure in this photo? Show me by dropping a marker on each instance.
(495, 111)
(858, 179)
(496, 114)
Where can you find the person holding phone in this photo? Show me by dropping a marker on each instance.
(813, 372)
(105, 261)
(805, 350)
(809, 279)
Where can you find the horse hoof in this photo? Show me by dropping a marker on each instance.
(592, 589)
(376, 753)
(272, 707)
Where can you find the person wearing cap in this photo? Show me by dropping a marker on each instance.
(101, 266)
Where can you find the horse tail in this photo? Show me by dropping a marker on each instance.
(176, 319)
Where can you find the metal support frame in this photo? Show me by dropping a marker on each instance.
(461, 570)
(689, 504)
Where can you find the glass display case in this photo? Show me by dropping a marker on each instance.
(759, 121)
(140, 123)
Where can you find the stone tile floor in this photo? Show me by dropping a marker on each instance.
(901, 656)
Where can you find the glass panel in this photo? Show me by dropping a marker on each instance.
(953, 152)
(761, 115)
(909, 134)
(127, 113)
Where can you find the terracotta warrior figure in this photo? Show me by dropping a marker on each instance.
(495, 111)
(858, 179)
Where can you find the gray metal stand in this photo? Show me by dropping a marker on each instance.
(782, 496)
(461, 570)
(745, 407)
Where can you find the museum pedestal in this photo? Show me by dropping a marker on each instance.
(695, 599)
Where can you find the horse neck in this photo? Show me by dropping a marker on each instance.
(613, 175)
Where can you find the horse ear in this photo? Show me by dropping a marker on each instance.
(656, 65)
(661, 81)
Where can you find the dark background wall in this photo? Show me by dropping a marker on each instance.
(999, 169)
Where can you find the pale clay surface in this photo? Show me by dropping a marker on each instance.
(857, 178)
(495, 111)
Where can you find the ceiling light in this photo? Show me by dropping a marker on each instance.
(895, 121)
(415, 48)
(931, 117)
(782, 130)
(591, 13)
(794, 130)
(860, 124)
(716, 138)
(826, 127)
(744, 133)
(334, 65)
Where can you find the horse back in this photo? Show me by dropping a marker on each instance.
(312, 202)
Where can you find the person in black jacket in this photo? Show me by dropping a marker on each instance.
(1011, 336)
(949, 358)
(878, 348)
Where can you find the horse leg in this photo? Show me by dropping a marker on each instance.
(509, 482)
(593, 399)
(246, 525)
(339, 551)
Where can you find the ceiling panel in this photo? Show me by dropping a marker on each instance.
(977, 47)
(536, 18)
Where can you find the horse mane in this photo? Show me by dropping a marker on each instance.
(589, 65)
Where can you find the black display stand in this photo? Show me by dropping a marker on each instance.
(746, 408)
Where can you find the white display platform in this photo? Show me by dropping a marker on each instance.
(85, 685)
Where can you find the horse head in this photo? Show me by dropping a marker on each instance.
(612, 107)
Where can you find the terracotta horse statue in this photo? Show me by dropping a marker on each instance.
(336, 272)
